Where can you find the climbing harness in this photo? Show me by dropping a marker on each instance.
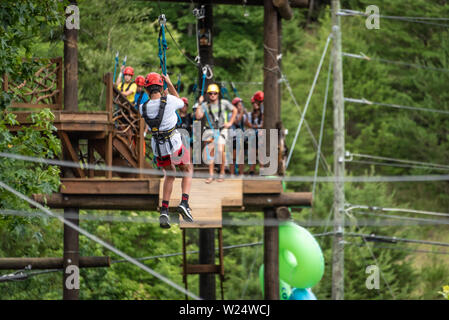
(160, 137)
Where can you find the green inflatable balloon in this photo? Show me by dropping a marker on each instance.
(285, 290)
(301, 262)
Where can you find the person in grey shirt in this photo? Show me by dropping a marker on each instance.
(214, 109)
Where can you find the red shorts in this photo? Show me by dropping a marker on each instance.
(180, 157)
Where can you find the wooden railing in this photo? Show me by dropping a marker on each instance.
(129, 124)
(44, 91)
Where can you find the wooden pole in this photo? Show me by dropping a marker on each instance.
(71, 240)
(271, 119)
(339, 164)
(206, 236)
(271, 256)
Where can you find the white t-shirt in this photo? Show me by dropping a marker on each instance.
(169, 121)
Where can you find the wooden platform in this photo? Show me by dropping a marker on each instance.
(87, 121)
(207, 200)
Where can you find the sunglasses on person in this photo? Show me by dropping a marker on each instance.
(213, 93)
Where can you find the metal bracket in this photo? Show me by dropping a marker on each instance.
(162, 20)
(199, 13)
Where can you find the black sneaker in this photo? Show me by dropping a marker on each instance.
(185, 211)
(164, 219)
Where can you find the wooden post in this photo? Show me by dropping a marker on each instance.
(339, 164)
(141, 144)
(59, 83)
(71, 244)
(109, 109)
(284, 9)
(206, 236)
(271, 119)
(271, 256)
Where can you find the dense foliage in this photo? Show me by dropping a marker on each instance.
(131, 28)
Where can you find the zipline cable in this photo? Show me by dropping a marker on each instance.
(98, 240)
(397, 106)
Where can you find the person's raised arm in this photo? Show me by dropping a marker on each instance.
(199, 110)
(119, 78)
(171, 88)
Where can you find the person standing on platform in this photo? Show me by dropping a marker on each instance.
(160, 115)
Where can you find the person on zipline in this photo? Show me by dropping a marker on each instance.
(141, 96)
(128, 88)
(214, 109)
(160, 115)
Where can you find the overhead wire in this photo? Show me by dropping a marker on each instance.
(98, 240)
(155, 172)
(317, 73)
(397, 106)
(362, 56)
(406, 161)
(346, 12)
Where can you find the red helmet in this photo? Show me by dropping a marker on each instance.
(140, 81)
(185, 100)
(128, 70)
(258, 96)
(235, 101)
(153, 78)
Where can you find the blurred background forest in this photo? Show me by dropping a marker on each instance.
(409, 271)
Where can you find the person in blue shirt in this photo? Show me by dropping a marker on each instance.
(141, 96)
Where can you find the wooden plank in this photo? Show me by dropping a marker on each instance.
(34, 106)
(202, 268)
(206, 200)
(266, 186)
(90, 117)
(109, 186)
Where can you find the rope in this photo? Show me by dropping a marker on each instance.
(98, 240)
(308, 101)
(397, 106)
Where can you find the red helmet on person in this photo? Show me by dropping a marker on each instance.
(128, 70)
(235, 101)
(186, 101)
(153, 78)
(258, 96)
(140, 81)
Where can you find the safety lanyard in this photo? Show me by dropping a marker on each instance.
(162, 44)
